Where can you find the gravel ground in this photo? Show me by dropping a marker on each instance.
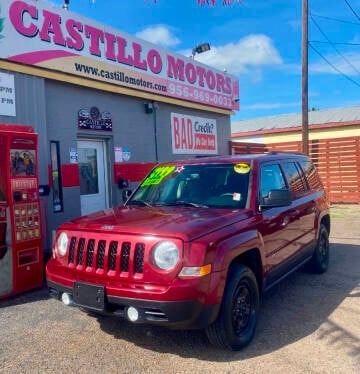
(308, 324)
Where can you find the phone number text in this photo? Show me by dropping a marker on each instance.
(198, 95)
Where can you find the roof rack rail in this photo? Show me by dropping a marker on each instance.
(284, 152)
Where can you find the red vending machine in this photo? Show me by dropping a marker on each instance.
(21, 252)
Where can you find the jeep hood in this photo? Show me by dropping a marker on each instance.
(186, 223)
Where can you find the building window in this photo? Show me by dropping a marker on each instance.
(56, 177)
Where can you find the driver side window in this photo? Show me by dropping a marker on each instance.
(271, 178)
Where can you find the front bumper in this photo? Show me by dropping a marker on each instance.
(184, 314)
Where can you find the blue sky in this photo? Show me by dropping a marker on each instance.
(257, 40)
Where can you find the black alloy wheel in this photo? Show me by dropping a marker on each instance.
(236, 323)
(241, 311)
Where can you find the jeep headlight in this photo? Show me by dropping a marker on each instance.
(165, 255)
(62, 244)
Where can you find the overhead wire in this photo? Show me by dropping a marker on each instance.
(332, 44)
(336, 43)
(352, 9)
(335, 19)
(337, 51)
(333, 66)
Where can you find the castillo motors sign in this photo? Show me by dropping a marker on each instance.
(40, 34)
(193, 135)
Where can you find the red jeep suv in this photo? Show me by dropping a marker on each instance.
(196, 243)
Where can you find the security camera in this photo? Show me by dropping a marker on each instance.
(235, 100)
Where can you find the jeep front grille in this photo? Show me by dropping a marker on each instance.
(107, 255)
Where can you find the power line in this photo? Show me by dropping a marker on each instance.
(336, 43)
(335, 19)
(333, 45)
(334, 67)
(351, 8)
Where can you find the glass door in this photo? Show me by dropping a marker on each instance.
(92, 169)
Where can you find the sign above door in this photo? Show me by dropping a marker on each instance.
(93, 119)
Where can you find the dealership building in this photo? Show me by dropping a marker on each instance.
(106, 106)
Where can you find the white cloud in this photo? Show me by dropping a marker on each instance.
(343, 65)
(254, 50)
(160, 35)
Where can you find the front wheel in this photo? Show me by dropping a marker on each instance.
(236, 323)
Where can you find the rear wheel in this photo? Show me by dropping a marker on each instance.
(319, 262)
(236, 323)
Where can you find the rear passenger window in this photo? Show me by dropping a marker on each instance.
(271, 178)
(311, 175)
(297, 183)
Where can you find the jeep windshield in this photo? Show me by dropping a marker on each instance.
(194, 186)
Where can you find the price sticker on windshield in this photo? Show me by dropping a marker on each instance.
(157, 175)
(242, 168)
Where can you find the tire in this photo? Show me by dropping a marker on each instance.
(235, 326)
(319, 262)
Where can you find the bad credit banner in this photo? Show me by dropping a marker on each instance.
(47, 36)
(193, 135)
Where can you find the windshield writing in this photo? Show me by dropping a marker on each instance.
(213, 186)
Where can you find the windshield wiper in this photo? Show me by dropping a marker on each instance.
(183, 203)
(138, 202)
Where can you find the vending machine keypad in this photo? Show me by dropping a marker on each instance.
(26, 210)
(27, 221)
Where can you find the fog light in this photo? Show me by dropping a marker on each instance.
(132, 314)
(66, 299)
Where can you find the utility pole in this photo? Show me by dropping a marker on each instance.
(304, 80)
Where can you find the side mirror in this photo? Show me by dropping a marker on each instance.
(276, 198)
(123, 183)
(125, 195)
